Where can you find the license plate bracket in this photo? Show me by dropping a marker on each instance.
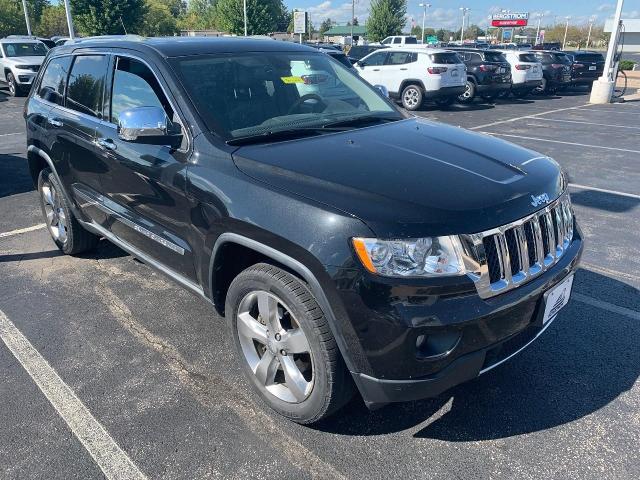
(556, 299)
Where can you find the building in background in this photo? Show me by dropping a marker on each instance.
(342, 34)
(631, 36)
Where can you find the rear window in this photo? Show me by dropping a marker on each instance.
(527, 57)
(494, 57)
(445, 58)
(588, 57)
(411, 40)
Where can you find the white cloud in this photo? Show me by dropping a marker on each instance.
(605, 6)
(339, 12)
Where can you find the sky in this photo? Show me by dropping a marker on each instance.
(446, 13)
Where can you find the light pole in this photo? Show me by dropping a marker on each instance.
(464, 11)
(353, 18)
(424, 15)
(591, 20)
(26, 17)
(603, 87)
(540, 15)
(566, 29)
(245, 18)
(67, 10)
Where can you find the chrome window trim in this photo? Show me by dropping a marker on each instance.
(475, 255)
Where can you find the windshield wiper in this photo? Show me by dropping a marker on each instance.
(361, 120)
(276, 135)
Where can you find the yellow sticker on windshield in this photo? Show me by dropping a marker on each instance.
(292, 79)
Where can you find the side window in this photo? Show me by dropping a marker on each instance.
(475, 57)
(386, 41)
(134, 85)
(86, 84)
(54, 80)
(397, 40)
(398, 58)
(376, 59)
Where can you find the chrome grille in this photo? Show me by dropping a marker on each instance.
(508, 256)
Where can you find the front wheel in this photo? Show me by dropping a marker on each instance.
(412, 97)
(469, 93)
(14, 89)
(285, 346)
(542, 88)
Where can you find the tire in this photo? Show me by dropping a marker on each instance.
(326, 384)
(68, 235)
(469, 94)
(412, 97)
(543, 87)
(14, 89)
(444, 101)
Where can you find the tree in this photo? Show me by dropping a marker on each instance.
(355, 21)
(263, 16)
(53, 22)
(387, 17)
(325, 25)
(108, 17)
(11, 18)
(199, 15)
(159, 20)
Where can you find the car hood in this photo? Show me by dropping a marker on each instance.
(409, 178)
(25, 60)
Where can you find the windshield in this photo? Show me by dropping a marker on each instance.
(24, 49)
(249, 94)
(494, 57)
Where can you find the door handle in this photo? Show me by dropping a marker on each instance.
(54, 122)
(106, 144)
(376, 69)
(404, 69)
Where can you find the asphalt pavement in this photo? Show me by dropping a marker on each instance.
(104, 362)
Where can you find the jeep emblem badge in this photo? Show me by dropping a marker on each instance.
(541, 199)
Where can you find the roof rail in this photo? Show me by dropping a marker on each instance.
(133, 38)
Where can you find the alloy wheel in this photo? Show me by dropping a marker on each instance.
(275, 347)
(12, 85)
(54, 212)
(411, 97)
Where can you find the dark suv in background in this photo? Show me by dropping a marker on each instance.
(556, 70)
(488, 74)
(586, 67)
(347, 245)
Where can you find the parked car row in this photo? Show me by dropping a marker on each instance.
(413, 75)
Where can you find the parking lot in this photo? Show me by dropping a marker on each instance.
(143, 368)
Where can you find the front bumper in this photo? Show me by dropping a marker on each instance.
(24, 77)
(389, 319)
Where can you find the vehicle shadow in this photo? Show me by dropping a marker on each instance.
(14, 175)
(466, 107)
(584, 361)
(604, 201)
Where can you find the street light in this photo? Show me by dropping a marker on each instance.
(245, 18)
(464, 11)
(591, 20)
(540, 15)
(566, 29)
(26, 17)
(424, 15)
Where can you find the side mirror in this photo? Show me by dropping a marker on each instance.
(383, 90)
(361, 64)
(148, 123)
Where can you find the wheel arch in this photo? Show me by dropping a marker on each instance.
(410, 81)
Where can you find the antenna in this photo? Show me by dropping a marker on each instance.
(123, 27)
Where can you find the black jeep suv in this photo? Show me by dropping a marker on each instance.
(488, 74)
(348, 246)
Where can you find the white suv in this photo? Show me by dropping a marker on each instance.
(20, 60)
(413, 75)
(526, 72)
(398, 41)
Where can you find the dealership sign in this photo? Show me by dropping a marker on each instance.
(510, 19)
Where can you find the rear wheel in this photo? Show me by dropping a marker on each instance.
(66, 232)
(542, 88)
(469, 93)
(285, 346)
(412, 97)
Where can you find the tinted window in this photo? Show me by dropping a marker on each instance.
(397, 40)
(527, 57)
(86, 84)
(342, 58)
(445, 58)
(358, 52)
(473, 57)
(376, 59)
(386, 41)
(411, 41)
(494, 57)
(134, 85)
(400, 58)
(589, 57)
(54, 80)
(25, 49)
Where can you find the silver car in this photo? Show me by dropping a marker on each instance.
(20, 60)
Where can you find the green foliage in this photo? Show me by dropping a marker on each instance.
(108, 17)
(263, 16)
(417, 31)
(159, 20)
(626, 65)
(11, 18)
(387, 18)
(53, 22)
(325, 25)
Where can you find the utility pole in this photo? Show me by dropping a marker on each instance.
(245, 18)
(424, 14)
(566, 29)
(67, 10)
(464, 11)
(591, 20)
(540, 15)
(26, 17)
(602, 90)
(353, 18)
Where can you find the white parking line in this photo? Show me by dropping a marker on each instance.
(609, 307)
(604, 190)
(500, 122)
(562, 142)
(114, 463)
(9, 134)
(587, 123)
(22, 230)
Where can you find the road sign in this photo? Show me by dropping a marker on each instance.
(432, 39)
(299, 22)
(510, 19)
(507, 35)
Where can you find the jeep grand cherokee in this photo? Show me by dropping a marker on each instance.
(348, 246)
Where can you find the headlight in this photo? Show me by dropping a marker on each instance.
(22, 67)
(421, 257)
